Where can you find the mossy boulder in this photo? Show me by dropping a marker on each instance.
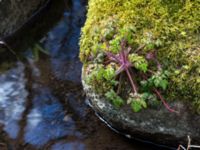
(155, 47)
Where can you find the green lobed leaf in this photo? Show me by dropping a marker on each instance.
(139, 62)
(114, 98)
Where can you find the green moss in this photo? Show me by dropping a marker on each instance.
(172, 27)
(114, 98)
(101, 77)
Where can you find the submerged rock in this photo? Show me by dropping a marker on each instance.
(14, 13)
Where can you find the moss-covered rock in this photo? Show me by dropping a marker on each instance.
(169, 27)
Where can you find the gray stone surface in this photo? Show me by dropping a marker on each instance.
(13, 13)
(156, 125)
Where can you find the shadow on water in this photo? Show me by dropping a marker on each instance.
(42, 104)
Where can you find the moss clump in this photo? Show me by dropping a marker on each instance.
(169, 27)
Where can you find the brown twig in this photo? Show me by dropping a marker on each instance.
(188, 145)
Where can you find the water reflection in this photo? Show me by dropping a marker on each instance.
(12, 99)
(62, 42)
(68, 146)
(47, 120)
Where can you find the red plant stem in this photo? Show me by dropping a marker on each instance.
(112, 57)
(134, 88)
(163, 101)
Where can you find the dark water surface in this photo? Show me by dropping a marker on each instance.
(42, 104)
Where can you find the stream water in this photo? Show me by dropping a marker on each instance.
(42, 104)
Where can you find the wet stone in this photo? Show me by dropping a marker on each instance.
(14, 13)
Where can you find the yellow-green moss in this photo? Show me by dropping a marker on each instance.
(173, 25)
